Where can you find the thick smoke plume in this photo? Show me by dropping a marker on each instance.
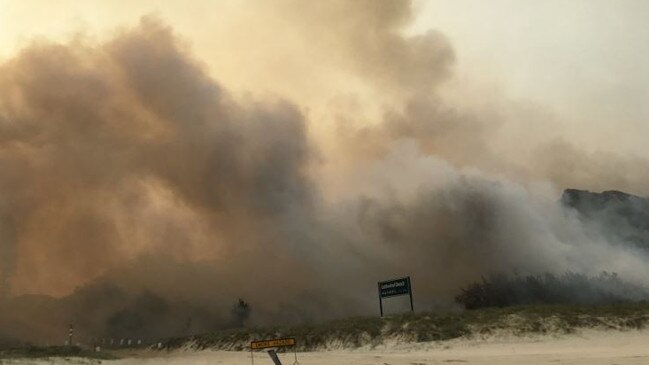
(147, 198)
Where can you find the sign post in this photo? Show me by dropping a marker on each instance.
(395, 288)
(274, 357)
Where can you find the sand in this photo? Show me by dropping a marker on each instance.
(593, 348)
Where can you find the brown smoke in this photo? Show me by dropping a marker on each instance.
(142, 191)
(98, 141)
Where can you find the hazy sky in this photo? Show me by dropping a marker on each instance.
(587, 61)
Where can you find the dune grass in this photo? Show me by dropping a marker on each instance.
(423, 327)
(34, 352)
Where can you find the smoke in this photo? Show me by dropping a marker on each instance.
(147, 197)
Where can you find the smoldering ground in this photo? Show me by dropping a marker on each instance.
(147, 198)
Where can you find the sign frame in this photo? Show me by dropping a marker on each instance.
(272, 343)
(275, 342)
(393, 288)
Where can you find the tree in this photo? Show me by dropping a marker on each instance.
(241, 312)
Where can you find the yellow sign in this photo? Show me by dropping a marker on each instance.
(264, 344)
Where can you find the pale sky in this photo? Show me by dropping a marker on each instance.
(589, 59)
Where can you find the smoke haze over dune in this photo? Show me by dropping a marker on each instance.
(148, 194)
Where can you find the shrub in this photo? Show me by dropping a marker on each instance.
(569, 288)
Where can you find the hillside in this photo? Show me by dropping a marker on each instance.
(619, 216)
(423, 327)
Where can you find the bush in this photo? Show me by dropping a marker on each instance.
(569, 288)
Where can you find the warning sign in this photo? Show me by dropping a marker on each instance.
(279, 342)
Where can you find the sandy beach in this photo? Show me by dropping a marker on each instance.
(588, 347)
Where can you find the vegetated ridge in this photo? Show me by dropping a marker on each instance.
(424, 327)
(621, 217)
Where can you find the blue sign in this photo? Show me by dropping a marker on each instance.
(394, 288)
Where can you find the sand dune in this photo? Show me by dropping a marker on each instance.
(589, 347)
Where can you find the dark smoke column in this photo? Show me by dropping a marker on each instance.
(4, 288)
(6, 256)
